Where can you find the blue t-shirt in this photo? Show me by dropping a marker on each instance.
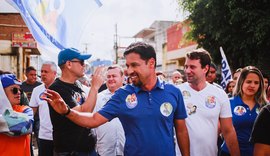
(243, 119)
(147, 117)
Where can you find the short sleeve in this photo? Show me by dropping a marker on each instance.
(33, 100)
(225, 111)
(180, 112)
(112, 108)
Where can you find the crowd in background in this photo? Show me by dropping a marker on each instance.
(248, 94)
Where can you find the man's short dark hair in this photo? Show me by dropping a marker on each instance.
(30, 68)
(146, 51)
(200, 54)
(213, 65)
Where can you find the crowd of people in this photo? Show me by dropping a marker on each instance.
(135, 112)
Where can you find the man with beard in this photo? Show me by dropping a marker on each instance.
(206, 105)
(148, 109)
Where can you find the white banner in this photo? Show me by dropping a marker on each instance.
(56, 24)
(225, 70)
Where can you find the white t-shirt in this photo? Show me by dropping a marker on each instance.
(110, 136)
(86, 90)
(45, 130)
(204, 108)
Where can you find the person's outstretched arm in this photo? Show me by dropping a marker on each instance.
(84, 119)
(90, 102)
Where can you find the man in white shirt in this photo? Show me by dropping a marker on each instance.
(110, 136)
(48, 74)
(206, 104)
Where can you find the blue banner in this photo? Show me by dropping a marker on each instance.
(225, 70)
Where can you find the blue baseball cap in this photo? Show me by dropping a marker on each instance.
(9, 79)
(69, 54)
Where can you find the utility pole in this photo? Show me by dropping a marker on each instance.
(86, 47)
(116, 45)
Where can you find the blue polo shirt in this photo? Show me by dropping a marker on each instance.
(147, 117)
(243, 119)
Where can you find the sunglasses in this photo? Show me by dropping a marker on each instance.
(81, 62)
(16, 90)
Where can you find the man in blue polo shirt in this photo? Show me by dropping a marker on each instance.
(149, 109)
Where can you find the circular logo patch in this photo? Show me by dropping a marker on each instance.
(166, 109)
(42, 95)
(210, 102)
(239, 110)
(131, 101)
(257, 110)
(185, 94)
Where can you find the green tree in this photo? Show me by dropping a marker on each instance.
(241, 27)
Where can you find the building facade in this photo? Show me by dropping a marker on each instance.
(17, 45)
(156, 35)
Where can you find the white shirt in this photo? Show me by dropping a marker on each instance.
(110, 136)
(86, 90)
(45, 130)
(204, 108)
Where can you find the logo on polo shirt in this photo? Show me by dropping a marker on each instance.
(42, 95)
(210, 102)
(166, 109)
(78, 98)
(131, 101)
(257, 110)
(239, 110)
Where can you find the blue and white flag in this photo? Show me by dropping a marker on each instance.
(225, 70)
(56, 24)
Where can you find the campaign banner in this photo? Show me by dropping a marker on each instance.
(56, 24)
(225, 70)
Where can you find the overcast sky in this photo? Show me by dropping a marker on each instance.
(131, 16)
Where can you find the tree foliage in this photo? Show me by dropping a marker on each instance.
(241, 27)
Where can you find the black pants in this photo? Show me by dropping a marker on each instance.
(222, 153)
(219, 143)
(45, 147)
(92, 153)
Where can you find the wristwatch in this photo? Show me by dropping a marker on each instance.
(68, 111)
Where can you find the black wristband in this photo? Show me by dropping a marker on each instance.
(67, 111)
